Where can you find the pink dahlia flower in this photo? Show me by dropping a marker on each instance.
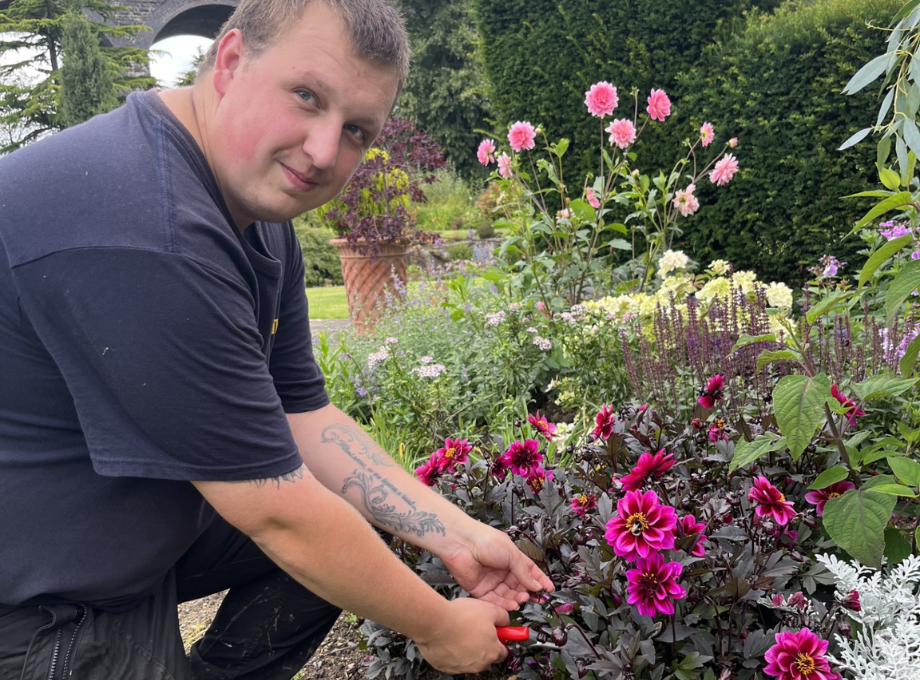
(647, 467)
(659, 106)
(524, 456)
(601, 99)
(593, 200)
(822, 496)
(581, 504)
(653, 585)
(770, 502)
(707, 134)
(717, 431)
(486, 151)
(504, 165)
(542, 426)
(499, 466)
(454, 452)
(641, 526)
(724, 171)
(853, 411)
(712, 392)
(622, 132)
(851, 601)
(733, 143)
(604, 422)
(522, 135)
(429, 472)
(685, 201)
(538, 477)
(799, 656)
(691, 527)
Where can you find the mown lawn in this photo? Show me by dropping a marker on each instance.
(330, 302)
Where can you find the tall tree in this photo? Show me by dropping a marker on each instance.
(87, 87)
(30, 75)
(445, 93)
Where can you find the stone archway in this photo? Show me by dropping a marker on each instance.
(168, 18)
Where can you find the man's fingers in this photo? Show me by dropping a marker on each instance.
(530, 576)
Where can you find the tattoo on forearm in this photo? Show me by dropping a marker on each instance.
(355, 442)
(375, 497)
(289, 477)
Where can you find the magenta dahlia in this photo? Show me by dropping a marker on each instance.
(641, 526)
(653, 585)
(799, 656)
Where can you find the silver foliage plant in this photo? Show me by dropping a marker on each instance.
(885, 644)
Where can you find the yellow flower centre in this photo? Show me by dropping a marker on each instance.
(541, 424)
(536, 484)
(450, 453)
(583, 499)
(720, 424)
(650, 579)
(636, 523)
(804, 664)
(782, 498)
(833, 494)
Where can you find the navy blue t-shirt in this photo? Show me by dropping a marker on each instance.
(144, 342)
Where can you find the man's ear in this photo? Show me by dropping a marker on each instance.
(228, 60)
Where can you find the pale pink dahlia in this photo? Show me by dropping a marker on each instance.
(601, 99)
(522, 135)
(486, 151)
(659, 106)
(707, 134)
(685, 201)
(593, 200)
(653, 585)
(799, 656)
(770, 502)
(622, 132)
(641, 526)
(504, 165)
(724, 171)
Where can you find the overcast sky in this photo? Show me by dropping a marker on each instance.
(179, 52)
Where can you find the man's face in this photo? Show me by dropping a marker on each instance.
(292, 124)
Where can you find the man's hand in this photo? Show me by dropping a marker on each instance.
(494, 570)
(466, 642)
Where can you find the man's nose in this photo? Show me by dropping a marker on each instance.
(322, 144)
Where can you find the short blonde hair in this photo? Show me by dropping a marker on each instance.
(376, 28)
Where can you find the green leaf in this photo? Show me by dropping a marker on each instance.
(894, 490)
(905, 283)
(746, 340)
(882, 385)
(827, 304)
(855, 139)
(905, 11)
(583, 211)
(618, 227)
(798, 401)
(889, 178)
(560, 147)
(828, 477)
(747, 452)
(897, 548)
(911, 135)
(769, 356)
(493, 274)
(880, 256)
(905, 469)
(899, 200)
(884, 146)
(620, 244)
(856, 522)
(867, 74)
(910, 356)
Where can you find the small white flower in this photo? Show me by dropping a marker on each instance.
(719, 267)
(377, 357)
(495, 319)
(671, 260)
(429, 370)
(391, 341)
(426, 360)
(779, 295)
(542, 343)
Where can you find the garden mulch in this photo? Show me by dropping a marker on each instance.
(338, 657)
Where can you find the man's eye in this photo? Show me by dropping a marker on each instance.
(356, 131)
(307, 96)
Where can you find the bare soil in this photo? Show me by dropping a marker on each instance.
(338, 657)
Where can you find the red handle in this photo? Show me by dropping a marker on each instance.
(513, 633)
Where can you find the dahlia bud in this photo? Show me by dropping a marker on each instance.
(797, 600)
(559, 637)
(843, 627)
(733, 142)
(778, 600)
(564, 608)
(851, 601)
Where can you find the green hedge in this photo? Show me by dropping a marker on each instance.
(321, 261)
(777, 87)
(542, 55)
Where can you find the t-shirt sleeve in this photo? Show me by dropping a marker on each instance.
(162, 356)
(298, 380)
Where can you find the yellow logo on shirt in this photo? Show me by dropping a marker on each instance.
(275, 327)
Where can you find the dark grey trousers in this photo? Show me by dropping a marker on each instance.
(266, 628)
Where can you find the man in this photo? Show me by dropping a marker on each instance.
(164, 430)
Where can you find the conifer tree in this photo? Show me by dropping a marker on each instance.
(30, 72)
(87, 87)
